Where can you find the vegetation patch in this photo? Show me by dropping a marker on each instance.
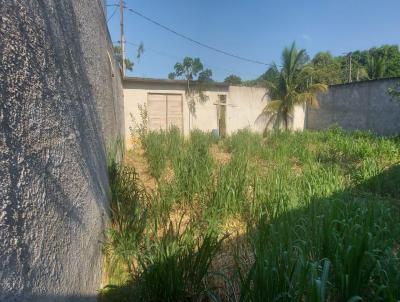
(310, 216)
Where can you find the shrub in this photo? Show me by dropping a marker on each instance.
(175, 266)
(128, 216)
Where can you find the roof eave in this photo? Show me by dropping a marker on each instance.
(166, 81)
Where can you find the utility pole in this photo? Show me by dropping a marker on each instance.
(122, 39)
(350, 66)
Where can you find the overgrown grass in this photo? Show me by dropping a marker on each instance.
(320, 212)
(176, 265)
(128, 218)
(339, 249)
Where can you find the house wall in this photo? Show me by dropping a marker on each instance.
(60, 105)
(244, 106)
(362, 105)
(299, 115)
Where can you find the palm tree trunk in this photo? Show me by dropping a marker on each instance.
(285, 118)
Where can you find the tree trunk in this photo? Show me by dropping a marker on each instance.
(285, 118)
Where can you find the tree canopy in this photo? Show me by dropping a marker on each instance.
(128, 63)
(289, 89)
(233, 80)
(395, 92)
(374, 63)
(197, 78)
(191, 69)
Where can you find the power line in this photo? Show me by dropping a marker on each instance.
(195, 41)
(113, 13)
(165, 54)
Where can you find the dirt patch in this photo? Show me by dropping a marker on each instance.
(136, 159)
(219, 155)
(259, 165)
(168, 175)
(180, 216)
(236, 245)
(297, 167)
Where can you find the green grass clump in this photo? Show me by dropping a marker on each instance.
(244, 142)
(175, 266)
(228, 195)
(335, 249)
(155, 148)
(193, 169)
(160, 147)
(128, 218)
(172, 268)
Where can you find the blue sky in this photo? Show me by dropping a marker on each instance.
(253, 29)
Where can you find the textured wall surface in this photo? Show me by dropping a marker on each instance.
(60, 104)
(363, 105)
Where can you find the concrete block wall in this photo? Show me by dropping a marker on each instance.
(61, 103)
(358, 106)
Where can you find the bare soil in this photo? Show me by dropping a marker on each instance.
(219, 155)
(137, 160)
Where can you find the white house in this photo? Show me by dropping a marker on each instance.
(228, 108)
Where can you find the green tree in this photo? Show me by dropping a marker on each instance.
(325, 69)
(128, 63)
(391, 55)
(233, 80)
(374, 63)
(395, 92)
(192, 70)
(269, 76)
(198, 80)
(376, 66)
(290, 89)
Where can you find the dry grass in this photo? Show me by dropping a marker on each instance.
(297, 167)
(220, 156)
(168, 175)
(136, 159)
(235, 248)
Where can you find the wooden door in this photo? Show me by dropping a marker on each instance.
(174, 111)
(157, 111)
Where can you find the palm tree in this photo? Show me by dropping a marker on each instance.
(289, 90)
(376, 66)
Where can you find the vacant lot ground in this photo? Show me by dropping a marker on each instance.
(312, 216)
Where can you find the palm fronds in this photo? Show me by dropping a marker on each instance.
(289, 90)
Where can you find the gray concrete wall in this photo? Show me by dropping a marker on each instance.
(362, 105)
(60, 104)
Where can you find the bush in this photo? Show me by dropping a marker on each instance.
(175, 267)
(128, 216)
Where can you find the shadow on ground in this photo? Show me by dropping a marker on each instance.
(316, 224)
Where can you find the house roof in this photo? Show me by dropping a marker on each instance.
(166, 81)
